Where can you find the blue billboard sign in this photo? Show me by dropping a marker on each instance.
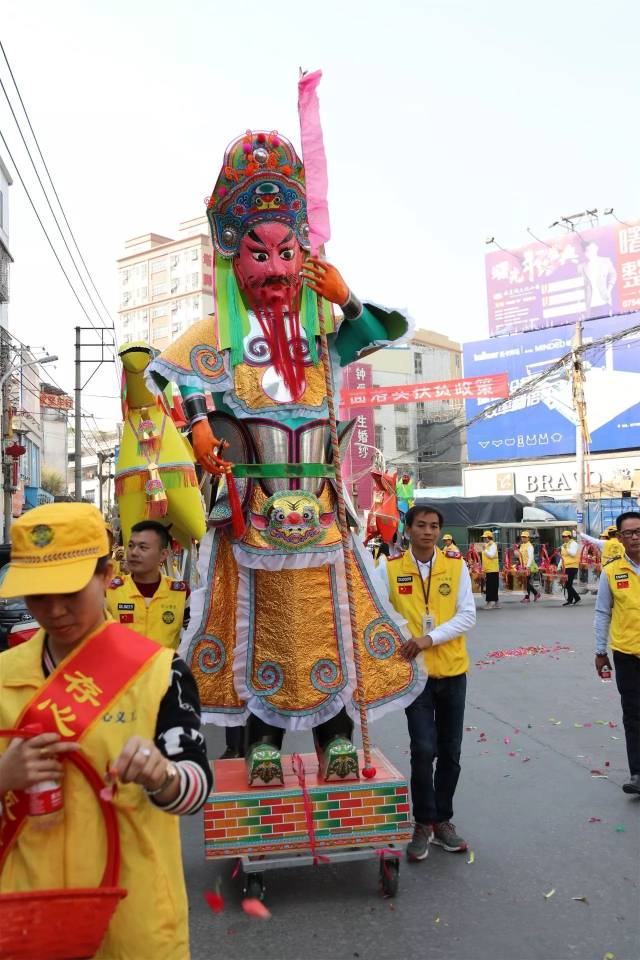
(541, 423)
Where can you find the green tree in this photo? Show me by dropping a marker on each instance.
(52, 481)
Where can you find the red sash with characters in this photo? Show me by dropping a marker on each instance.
(81, 688)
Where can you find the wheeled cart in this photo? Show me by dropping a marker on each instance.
(307, 820)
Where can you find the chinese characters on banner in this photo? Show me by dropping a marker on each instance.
(359, 457)
(582, 275)
(492, 386)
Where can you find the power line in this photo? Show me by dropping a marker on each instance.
(33, 134)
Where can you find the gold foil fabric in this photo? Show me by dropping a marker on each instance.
(215, 681)
(248, 387)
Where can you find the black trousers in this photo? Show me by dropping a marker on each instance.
(257, 731)
(491, 583)
(572, 594)
(435, 720)
(530, 586)
(628, 682)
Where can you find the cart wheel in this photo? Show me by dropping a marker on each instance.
(254, 886)
(389, 875)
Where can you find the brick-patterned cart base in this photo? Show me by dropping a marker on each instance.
(267, 828)
(240, 821)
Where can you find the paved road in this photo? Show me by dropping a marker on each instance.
(527, 823)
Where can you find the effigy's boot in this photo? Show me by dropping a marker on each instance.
(337, 754)
(262, 753)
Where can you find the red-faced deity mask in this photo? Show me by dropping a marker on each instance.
(267, 269)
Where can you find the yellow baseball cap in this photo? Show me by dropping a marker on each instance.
(447, 536)
(525, 534)
(487, 533)
(612, 529)
(566, 533)
(54, 549)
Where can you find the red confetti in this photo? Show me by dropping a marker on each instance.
(594, 820)
(523, 652)
(507, 739)
(215, 901)
(607, 764)
(255, 908)
(612, 724)
(512, 753)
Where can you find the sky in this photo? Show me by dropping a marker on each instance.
(445, 123)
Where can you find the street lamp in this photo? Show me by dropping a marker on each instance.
(31, 363)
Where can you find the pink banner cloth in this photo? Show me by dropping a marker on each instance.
(314, 160)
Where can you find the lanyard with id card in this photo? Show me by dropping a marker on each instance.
(428, 620)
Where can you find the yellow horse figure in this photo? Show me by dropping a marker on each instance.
(155, 473)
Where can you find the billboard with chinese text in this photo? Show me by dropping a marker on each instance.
(541, 423)
(358, 460)
(581, 275)
(492, 386)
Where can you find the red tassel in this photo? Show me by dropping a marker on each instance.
(237, 520)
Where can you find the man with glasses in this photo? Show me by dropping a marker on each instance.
(617, 618)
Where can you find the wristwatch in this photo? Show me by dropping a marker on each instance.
(172, 773)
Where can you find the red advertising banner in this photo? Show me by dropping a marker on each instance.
(358, 459)
(493, 386)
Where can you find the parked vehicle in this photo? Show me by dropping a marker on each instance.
(13, 612)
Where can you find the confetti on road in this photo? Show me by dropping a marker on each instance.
(620, 828)
(512, 753)
(472, 857)
(471, 728)
(609, 956)
(578, 724)
(594, 820)
(507, 739)
(581, 900)
(255, 908)
(612, 724)
(215, 900)
(436, 919)
(551, 892)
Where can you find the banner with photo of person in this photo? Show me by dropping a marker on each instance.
(581, 275)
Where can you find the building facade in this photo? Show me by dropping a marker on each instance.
(165, 285)
(426, 357)
(55, 405)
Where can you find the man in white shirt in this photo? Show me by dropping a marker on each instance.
(528, 559)
(570, 564)
(433, 592)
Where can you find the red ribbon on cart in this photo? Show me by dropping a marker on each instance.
(298, 768)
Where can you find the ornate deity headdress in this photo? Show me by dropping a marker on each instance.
(262, 179)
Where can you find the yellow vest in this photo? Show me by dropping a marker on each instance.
(448, 659)
(612, 549)
(624, 584)
(161, 620)
(490, 564)
(570, 563)
(152, 920)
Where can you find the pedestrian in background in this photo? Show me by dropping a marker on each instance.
(570, 563)
(491, 570)
(528, 562)
(450, 547)
(433, 592)
(617, 618)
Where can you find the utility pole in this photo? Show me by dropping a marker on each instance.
(583, 438)
(79, 387)
(77, 460)
(100, 462)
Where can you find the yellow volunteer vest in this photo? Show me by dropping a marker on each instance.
(490, 564)
(570, 563)
(624, 584)
(161, 620)
(447, 659)
(152, 920)
(612, 549)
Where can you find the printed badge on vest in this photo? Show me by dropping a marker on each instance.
(168, 617)
(405, 584)
(444, 589)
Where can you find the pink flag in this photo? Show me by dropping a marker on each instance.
(314, 160)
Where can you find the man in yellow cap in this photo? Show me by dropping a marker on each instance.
(490, 568)
(132, 708)
(609, 546)
(528, 561)
(570, 564)
(450, 547)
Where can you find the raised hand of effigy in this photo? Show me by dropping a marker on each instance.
(325, 279)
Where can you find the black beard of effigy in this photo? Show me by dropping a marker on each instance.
(286, 347)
